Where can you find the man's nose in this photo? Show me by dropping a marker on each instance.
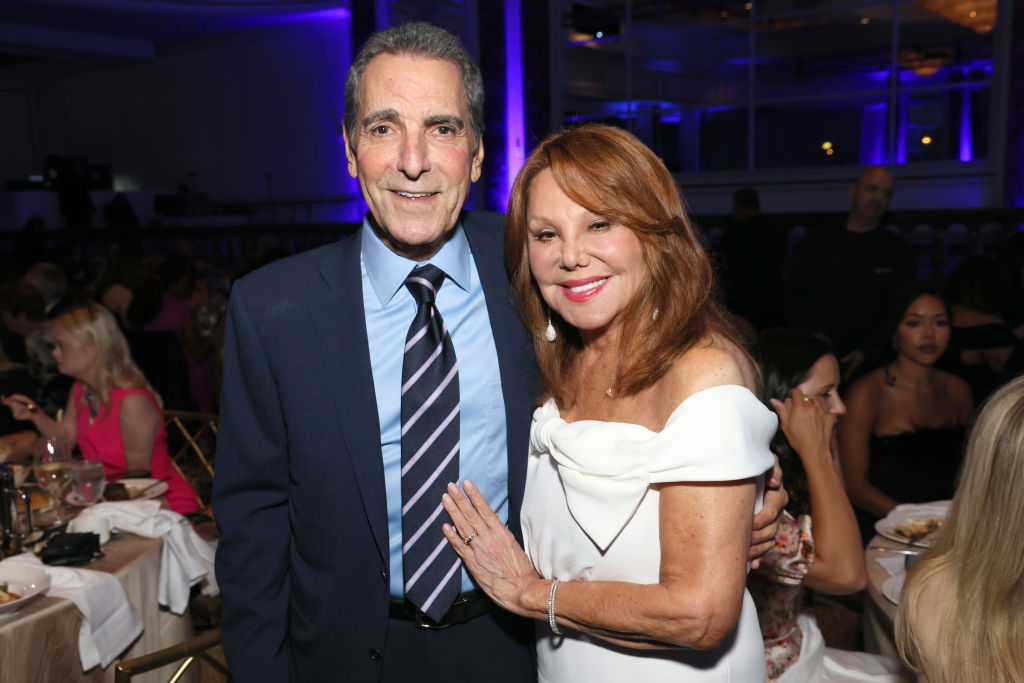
(413, 156)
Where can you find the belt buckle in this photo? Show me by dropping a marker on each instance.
(422, 621)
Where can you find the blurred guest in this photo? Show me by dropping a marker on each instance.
(753, 255)
(112, 414)
(960, 616)
(800, 378)
(177, 314)
(842, 275)
(981, 341)
(50, 281)
(901, 438)
(27, 341)
(129, 288)
(16, 441)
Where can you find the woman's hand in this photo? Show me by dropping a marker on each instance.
(492, 556)
(808, 428)
(22, 407)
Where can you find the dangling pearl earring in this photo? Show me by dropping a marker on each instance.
(549, 331)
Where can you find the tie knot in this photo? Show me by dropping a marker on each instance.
(423, 283)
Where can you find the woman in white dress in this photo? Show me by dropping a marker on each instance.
(646, 457)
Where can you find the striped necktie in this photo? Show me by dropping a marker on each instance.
(430, 449)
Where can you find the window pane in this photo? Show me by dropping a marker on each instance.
(847, 50)
(944, 125)
(825, 132)
(941, 43)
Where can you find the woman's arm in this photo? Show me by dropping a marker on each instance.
(704, 535)
(24, 408)
(838, 566)
(855, 449)
(140, 423)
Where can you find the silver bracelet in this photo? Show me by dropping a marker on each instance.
(551, 609)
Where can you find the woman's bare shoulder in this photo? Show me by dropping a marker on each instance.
(957, 388)
(714, 361)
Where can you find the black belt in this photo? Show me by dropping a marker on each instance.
(467, 606)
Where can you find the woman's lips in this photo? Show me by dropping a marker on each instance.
(578, 291)
(928, 348)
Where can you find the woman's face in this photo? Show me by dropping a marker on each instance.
(588, 268)
(822, 383)
(923, 332)
(74, 359)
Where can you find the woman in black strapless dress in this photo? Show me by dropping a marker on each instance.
(901, 440)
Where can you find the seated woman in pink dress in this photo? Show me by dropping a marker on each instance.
(112, 413)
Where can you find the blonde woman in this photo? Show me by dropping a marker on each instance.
(112, 413)
(961, 616)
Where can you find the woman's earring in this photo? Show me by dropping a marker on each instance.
(549, 331)
(654, 316)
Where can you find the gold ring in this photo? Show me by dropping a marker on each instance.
(469, 539)
(31, 407)
(807, 399)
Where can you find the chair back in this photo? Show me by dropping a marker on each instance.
(192, 443)
(187, 653)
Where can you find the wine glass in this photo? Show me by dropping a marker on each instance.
(53, 472)
(88, 480)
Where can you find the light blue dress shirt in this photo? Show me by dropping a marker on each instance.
(389, 309)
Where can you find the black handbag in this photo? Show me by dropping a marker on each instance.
(71, 549)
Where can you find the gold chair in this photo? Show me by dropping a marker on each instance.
(188, 652)
(192, 441)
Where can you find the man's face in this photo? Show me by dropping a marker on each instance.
(413, 151)
(869, 198)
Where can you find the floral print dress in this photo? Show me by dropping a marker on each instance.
(777, 589)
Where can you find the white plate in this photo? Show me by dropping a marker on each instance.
(139, 484)
(27, 582)
(903, 514)
(892, 588)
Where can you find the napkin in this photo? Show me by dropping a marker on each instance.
(186, 559)
(893, 565)
(111, 622)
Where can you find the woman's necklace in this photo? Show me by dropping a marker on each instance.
(607, 391)
(891, 378)
(93, 410)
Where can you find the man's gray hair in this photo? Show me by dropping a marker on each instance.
(421, 40)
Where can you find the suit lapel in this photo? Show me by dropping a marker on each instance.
(341, 326)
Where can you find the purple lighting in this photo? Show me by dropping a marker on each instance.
(515, 126)
(966, 146)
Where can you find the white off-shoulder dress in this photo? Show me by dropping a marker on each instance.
(590, 513)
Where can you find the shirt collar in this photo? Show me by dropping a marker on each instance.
(387, 270)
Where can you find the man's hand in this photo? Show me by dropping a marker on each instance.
(766, 522)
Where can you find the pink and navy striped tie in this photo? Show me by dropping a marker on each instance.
(430, 450)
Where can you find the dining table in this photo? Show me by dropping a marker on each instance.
(880, 611)
(40, 641)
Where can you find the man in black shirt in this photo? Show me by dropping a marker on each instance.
(842, 276)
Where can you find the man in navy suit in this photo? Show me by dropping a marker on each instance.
(308, 490)
(307, 487)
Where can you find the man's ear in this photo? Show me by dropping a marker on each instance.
(478, 160)
(350, 156)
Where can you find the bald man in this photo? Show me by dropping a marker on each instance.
(843, 275)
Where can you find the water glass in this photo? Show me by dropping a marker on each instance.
(53, 472)
(88, 480)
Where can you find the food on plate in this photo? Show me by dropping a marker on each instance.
(117, 491)
(40, 501)
(917, 530)
(6, 596)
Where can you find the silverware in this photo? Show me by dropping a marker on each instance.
(149, 486)
(897, 551)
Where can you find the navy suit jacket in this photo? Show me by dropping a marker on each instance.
(299, 493)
